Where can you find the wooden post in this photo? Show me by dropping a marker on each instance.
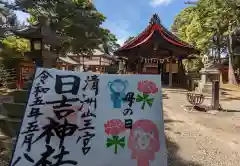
(100, 64)
(170, 72)
(179, 73)
(138, 62)
(215, 95)
(139, 66)
(83, 64)
(80, 60)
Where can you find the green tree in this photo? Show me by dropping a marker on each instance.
(7, 18)
(197, 24)
(128, 39)
(188, 26)
(110, 41)
(12, 47)
(20, 45)
(77, 20)
(13, 51)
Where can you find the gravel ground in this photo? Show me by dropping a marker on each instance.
(199, 139)
(190, 145)
(4, 157)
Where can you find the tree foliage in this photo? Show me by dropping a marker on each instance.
(128, 39)
(20, 45)
(110, 41)
(7, 18)
(199, 23)
(12, 46)
(13, 51)
(76, 20)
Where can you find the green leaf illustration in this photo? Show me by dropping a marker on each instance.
(144, 99)
(145, 96)
(150, 102)
(115, 141)
(139, 98)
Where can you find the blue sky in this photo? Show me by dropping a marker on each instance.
(129, 17)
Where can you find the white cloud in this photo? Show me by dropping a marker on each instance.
(155, 3)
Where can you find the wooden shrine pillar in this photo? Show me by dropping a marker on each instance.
(139, 66)
(179, 72)
(170, 71)
(100, 65)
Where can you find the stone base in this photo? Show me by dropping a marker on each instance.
(190, 108)
(13, 110)
(211, 70)
(20, 96)
(9, 126)
(12, 85)
(208, 75)
(202, 108)
(207, 88)
(11, 114)
(27, 85)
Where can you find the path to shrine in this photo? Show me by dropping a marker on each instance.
(199, 138)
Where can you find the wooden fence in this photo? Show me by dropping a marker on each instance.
(14, 78)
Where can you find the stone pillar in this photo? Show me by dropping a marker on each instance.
(221, 78)
(49, 59)
(208, 75)
(215, 95)
(170, 73)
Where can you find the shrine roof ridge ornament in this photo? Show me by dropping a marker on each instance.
(155, 20)
(145, 35)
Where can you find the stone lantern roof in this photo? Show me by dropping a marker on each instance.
(41, 30)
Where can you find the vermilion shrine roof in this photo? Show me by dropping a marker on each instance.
(156, 26)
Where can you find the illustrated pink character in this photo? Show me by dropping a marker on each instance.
(144, 141)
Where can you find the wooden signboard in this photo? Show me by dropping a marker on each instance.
(75, 118)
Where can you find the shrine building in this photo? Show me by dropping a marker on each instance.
(157, 51)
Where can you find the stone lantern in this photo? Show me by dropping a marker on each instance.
(209, 74)
(44, 42)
